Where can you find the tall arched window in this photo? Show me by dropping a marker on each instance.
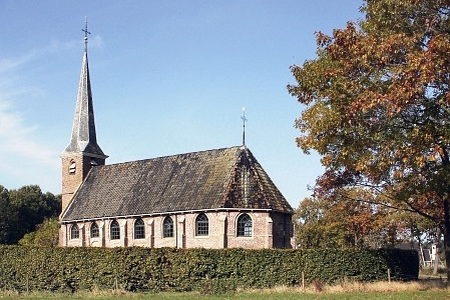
(201, 225)
(244, 225)
(74, 232)
(94, 230)
(114, 230)
(139, 229)
(168, 227)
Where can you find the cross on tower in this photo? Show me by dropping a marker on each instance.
(243, 126)
(86, 32)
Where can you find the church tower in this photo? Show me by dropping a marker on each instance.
(83, 152)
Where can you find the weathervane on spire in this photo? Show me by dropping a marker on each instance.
(86, 32)
(243, 126)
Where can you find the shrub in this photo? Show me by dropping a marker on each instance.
(211, 271)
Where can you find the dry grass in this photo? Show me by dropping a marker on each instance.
(384, 287)
(359, 287)
(345, 287)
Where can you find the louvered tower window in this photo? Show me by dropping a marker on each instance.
(72, 167)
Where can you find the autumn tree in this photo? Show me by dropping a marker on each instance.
(310, 226)
(349, 222)
(377, 107)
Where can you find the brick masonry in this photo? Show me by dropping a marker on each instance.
(72, 180)
(269, 230)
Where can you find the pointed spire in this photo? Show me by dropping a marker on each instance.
(84, 138)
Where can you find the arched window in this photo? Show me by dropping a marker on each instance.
(94, 230)
(114, 230)
(94, 162)
(168, 227)
(244, 225)
(72, 167)
(74, 232)
(201, 225)
(139, 229)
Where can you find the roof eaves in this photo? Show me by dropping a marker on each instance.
(220, 209)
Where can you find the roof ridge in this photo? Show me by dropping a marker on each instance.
(174, 155)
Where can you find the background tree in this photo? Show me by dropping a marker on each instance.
(46, 234)
(8, 217)
(309, 226)
(23, 209)
(350, 222)
(378, 107)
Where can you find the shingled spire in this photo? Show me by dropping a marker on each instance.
(83, 152)
(84, 138)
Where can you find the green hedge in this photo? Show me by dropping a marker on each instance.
(168, 269)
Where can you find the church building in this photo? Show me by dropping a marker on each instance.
(219, 198)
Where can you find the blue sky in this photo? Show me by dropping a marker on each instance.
(168, 77)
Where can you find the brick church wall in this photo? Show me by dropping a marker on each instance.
(268, 231)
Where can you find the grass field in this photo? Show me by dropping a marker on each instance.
(419, 295)
(422, 290)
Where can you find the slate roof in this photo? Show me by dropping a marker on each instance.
(213, 179)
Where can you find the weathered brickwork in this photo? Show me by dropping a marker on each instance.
(267, 231)
(283, 230)
(70, 180)
(74, 170)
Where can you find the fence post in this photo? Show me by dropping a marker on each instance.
(303, 280)
(389, 275)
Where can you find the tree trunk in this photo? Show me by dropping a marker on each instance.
(447, 236)
(437, 254)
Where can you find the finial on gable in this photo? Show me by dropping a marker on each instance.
(243, 126)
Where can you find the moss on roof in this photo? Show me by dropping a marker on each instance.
(213, 179)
